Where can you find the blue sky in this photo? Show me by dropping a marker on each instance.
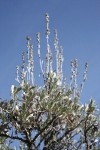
(78, 25)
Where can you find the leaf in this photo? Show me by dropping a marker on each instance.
(16, 90)
(64, 109)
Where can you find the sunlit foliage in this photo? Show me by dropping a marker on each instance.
(52, 116)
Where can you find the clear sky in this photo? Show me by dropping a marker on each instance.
(78, 25)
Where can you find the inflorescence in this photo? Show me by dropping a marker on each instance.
(27, 72)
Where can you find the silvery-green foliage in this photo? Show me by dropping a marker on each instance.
(52, 116)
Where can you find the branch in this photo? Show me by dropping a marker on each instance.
(13, 137)
(49, 139)
(41, 140)
(43, 129)
(70, 130)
